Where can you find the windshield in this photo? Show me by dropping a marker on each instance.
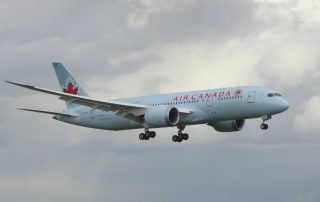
(274, 95)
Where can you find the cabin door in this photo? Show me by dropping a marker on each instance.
(251, 96)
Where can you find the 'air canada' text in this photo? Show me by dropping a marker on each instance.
(207, 95)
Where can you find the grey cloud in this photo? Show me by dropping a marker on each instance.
(290, 62)
(242, 173)
(61, 19)
(152, 84)
(129, 66)
(103, 34)
(44, 160)
(213, 19)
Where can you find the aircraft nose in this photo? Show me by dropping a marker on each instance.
(283, 105)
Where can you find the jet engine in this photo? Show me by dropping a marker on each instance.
(162, 116)
(228, 126)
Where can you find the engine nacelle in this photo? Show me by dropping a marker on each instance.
(228, 126)
(162, 116)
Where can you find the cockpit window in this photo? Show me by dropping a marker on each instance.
(274, 95)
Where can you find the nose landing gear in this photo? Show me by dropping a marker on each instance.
(265, 118)
(264, 126)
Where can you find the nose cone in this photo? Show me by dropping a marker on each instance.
(283, 105)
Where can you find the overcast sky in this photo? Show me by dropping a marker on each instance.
(122, 48)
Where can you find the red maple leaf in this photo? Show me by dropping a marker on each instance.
(71, 89)
(238, 92)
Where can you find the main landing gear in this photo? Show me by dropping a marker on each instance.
(265, 126)
(181, 136)
(176, 138)
(147, 135)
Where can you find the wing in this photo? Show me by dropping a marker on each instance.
(127, 110)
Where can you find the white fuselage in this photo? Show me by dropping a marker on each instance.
(208, 106)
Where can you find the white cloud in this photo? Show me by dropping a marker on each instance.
(289, 61)
(292, 54)
(308, 11)
(308, 119)
(190, 65)
(141, 13)
(267, 58)
(289, 12)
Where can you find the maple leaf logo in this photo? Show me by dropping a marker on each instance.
(238, 92)
(71, 89)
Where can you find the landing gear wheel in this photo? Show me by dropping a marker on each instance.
(141, 136)
(147, 134)
(264, 126)
(175, 138)
(185, 136)
(181, 136)
(152, 134)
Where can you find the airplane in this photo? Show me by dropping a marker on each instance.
(224, 109)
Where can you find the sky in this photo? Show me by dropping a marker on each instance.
(125, 48)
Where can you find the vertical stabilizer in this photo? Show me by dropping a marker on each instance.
(67, 83)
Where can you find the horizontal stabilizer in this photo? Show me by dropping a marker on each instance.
(48, 112)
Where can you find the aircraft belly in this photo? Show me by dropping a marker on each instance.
(243, 110)
(109, 121)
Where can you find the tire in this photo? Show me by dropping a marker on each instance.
(175, 138)
(180, 139)
(152, 134)
(264, 126)
(147, 134)
(141, 136)
(185, 136)
(181, 135)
